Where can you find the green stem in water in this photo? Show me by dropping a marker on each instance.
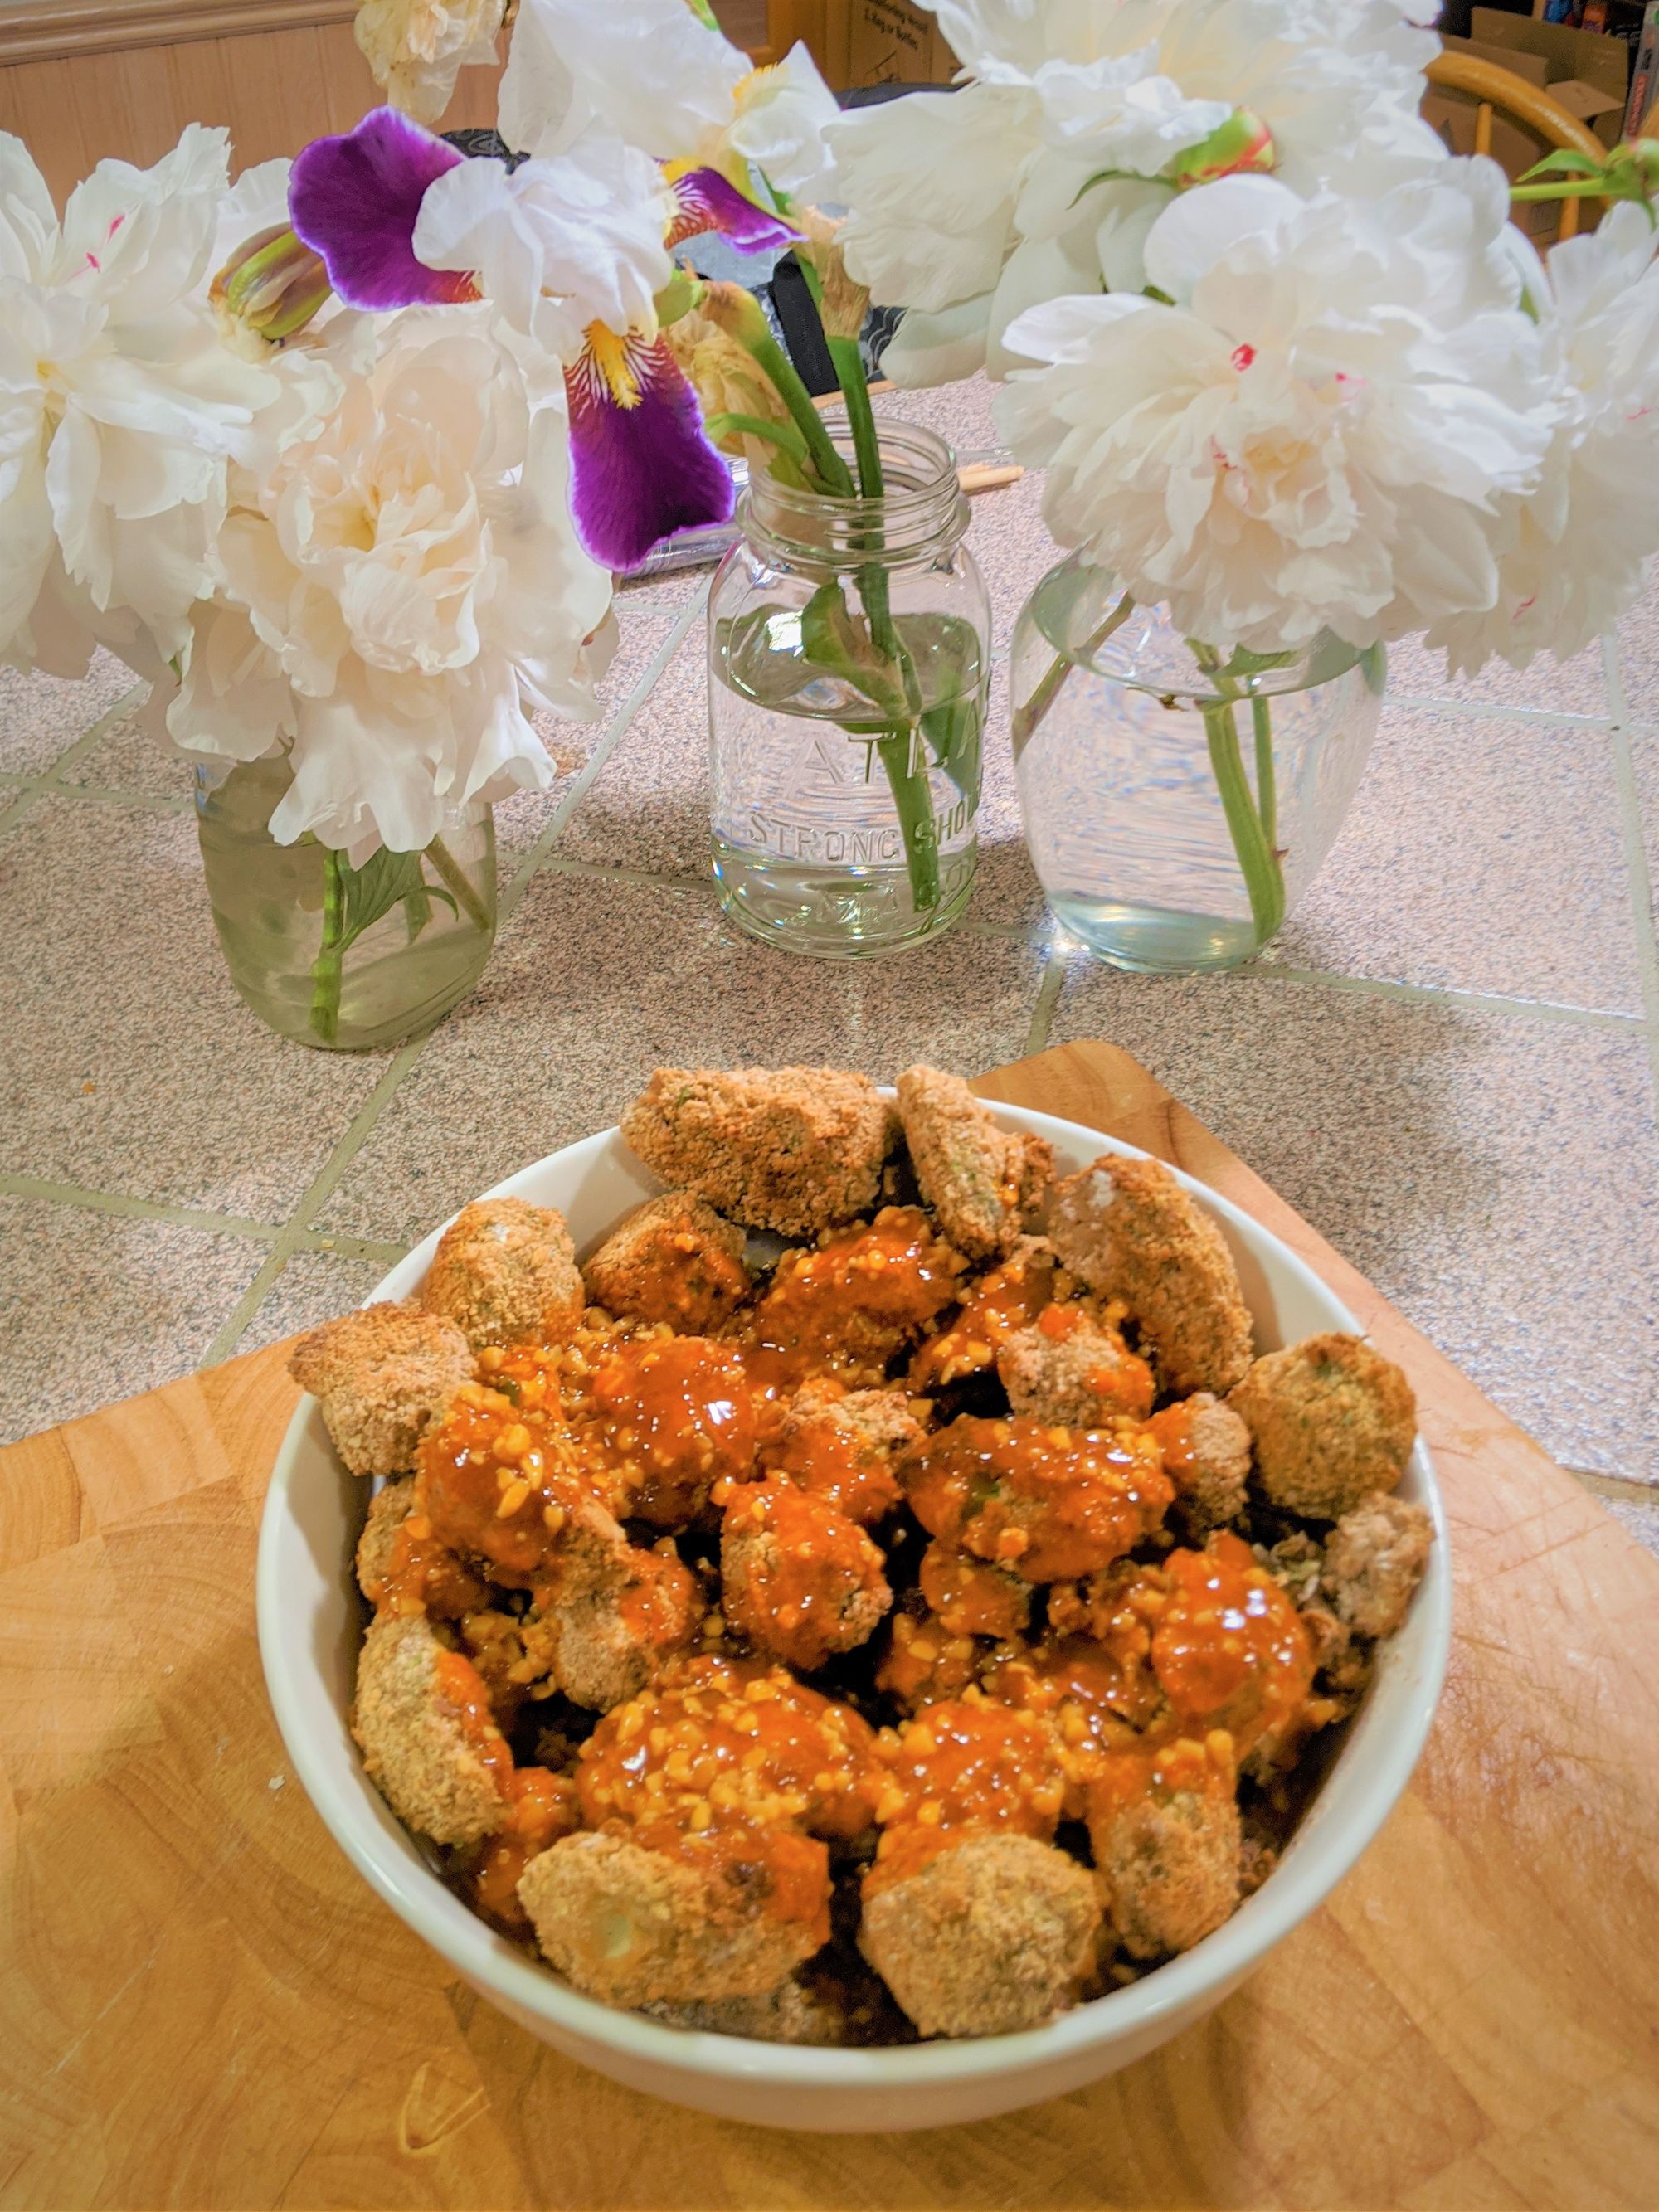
(784, 435)
(1256, 858)
(453, 879)
(1267, 792)
(326, 970)
(1029, 718)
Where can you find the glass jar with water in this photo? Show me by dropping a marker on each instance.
(848, 666)
(1178, 798)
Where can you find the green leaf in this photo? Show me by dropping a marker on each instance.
(1373, 664)
(385, 880)
(1246, 662)
(1565, 164)
(953, 731)
(838, 642)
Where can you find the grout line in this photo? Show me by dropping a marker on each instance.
(105, 794)
(139, 1209)
(651, 877)
(294, 1236)
(1048, 997)
(1476, 1002)
(598, 759)
(342, 1246)
(12, 815)
(1622, 1489)
(1484, 711)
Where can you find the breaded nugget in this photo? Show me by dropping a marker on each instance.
(422, 1721)
(841, 1445)
(613, 1620)
(978, 1177)
(1071, 1367)
(729, 1916)
(1330, 1419)
(673, 1260)
(926, 1664)
(793, 1149)
(681, 1417)
(1207, 1455)
(388, 1509)
(993, 1934)
(505, 1273)
(1130, 1231)
(381, 1376)
(1005, 1298)
(1375, 1560)
(971, 1597)
(851, 1303)
(798, 1578)
(1167, 1847)
(796, 2011)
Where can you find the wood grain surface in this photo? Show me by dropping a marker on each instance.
(202, 2005)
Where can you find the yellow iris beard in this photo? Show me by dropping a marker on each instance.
(611, 358)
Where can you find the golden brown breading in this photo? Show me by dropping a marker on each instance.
(1207, 1455)
(382, 1375)
(978, 1177)
(429, 1756)
(614, 1617)
(1169, 1861)
(673, 1260)
(505, 1273)
(841, 1445)
(633, 1926)
(1072, 1368)
(1130, 1231)
(797, 2012)
(1330, 1420)
(388, 1509)
(994, 1935)
(793, 1149)
(1375, 1560)
(798, 1578)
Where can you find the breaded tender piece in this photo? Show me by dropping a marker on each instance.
(420, 1721)
(1169, 1856)
(381, 1376)
(1330, 1419)
(841, 1445)
(673, 1260)
(1207, 1455)
(1375, 1560)
(793, 1149)
(505, 1273)
(1070, 1367)
(978, 1177)
(795, 2012)
(634, 1926)
(388, 1509)
(798, 1578)
(613, 1617)
(1130, 1231)
(994, 1935)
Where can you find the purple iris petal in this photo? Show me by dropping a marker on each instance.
(705, 200)
(355, 200)
(639, 463)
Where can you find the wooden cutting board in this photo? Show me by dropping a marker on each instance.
(201, 2004)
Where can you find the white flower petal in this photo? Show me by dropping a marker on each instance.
(1196, 228)
(650, 71)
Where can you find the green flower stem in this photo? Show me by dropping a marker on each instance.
(832, 471)
(1267, 790)
(326, 970)
(1256, 858)
(453, 878)
(784, 435)
(1029, 718)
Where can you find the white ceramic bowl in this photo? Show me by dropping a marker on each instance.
(311, 1622)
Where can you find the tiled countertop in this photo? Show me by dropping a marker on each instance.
(1446, 1062)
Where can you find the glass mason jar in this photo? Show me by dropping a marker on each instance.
(340, 957)
(848, 666)
(1177, 804)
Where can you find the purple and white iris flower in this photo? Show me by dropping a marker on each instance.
(571, 251)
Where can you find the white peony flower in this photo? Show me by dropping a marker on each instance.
(416, 49)
(119, 405)
(1049, 180)
(1570, 558)
(653, 72)
(1317, 435)
(399, 593)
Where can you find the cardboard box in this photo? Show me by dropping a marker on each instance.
(1452, 115)
(1568, 55)
(893, 42)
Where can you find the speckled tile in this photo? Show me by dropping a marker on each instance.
(96, 1306)
(649, 807)
(1638, 654)
(130, 757)
(958, 413)
(596, 983)
(311, 1288)
(1011, 544)
(41, 716)
(1482, 856)
(1497, 1178)
(127, 1062)
(1572, 687)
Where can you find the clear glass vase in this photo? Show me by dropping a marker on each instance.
(339, 957)
(848, 666)
(1178, 803)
